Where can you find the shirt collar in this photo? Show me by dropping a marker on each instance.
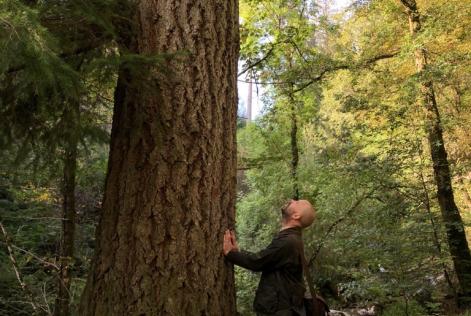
(291, 230)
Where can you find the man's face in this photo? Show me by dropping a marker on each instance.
(302, 212)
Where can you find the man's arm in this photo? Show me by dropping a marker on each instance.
(269, 258)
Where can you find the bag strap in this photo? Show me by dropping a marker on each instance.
(307, 276)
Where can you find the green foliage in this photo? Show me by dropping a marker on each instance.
(32, 227)
(348, 78)
(28, 47)
(410, 308)
(363, 153)
(30, 210)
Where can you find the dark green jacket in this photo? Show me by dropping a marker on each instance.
(281, 284)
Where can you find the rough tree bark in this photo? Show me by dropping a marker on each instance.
(170, 188)
(71, 118)
(456, 235)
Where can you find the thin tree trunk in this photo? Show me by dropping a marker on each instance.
(466, 196)
(456, 235)
(436, 239)
(293, 135)
(249, 101)
(294, 150)
(170, 188)
(71, 117)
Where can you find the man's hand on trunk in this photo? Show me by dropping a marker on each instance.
(230, 242)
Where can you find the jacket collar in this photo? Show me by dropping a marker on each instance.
(291, 230)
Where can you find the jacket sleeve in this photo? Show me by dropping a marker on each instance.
(269, 258)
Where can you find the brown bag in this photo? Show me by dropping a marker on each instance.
(315, 306)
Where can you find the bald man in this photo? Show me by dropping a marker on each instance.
(281, 288)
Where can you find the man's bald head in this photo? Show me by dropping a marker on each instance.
(299, 213)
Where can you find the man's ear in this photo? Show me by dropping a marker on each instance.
(296, 215)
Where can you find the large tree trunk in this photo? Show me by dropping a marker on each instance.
(170, 189)
(456, 235)
(71, 117)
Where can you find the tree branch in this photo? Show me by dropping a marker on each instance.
(345, 67)
(337, 222)
(247, 163)
(255, 64)
(75, 52)
(410, 5)
(324, 72)
(319, 77)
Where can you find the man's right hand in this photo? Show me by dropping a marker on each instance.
(230, 242)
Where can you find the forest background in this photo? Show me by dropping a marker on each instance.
(343, 125)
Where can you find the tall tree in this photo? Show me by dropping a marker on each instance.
(294, 144)
(72, 117)
(170, 189)
(457, 242)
